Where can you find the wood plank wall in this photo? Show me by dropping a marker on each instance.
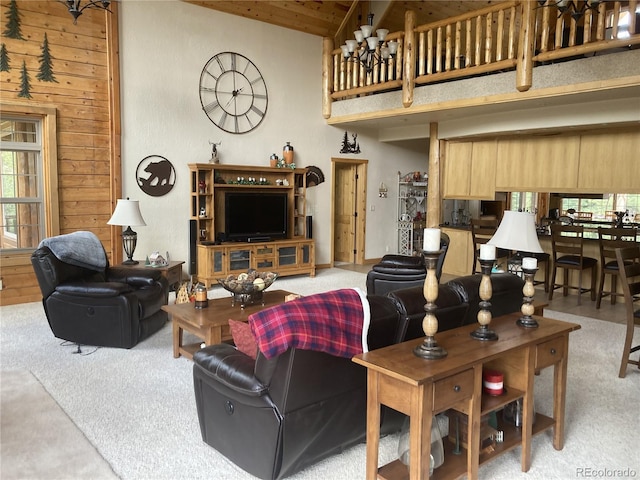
(81, 97)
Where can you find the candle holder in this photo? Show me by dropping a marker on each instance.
(528, 291)
(429, 349)
(484, 315)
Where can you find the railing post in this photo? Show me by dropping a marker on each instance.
(327, 76)
(524, 66)
(434, 196)
(409, 74)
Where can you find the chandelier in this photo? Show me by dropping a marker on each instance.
(577, 8)
(368, 49)
(75, 7)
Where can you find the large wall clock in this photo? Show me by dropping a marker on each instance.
(233, 93)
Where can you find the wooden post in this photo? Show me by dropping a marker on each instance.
(409, 74)
(115, 128)
(327, 76)
(434, 199)
(524, 67)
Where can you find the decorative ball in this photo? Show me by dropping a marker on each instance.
(259, 284)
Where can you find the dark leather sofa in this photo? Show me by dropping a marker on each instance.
(458, 302)
(275, 417)
(111, 307)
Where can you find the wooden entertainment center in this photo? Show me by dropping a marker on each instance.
(217, 258)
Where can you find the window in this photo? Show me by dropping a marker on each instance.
(28, 191)
(610, 202)
(524, 201)
(20, 185)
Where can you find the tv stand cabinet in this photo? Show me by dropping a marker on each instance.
(422, 388)
(285, 257)
(209, 184)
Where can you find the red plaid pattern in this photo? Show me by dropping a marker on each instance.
(335, 322)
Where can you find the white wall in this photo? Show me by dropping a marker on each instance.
(163, 48)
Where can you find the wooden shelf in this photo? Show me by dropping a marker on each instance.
(455, 466)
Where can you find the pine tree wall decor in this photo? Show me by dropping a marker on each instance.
(45, 73)
(4, 59)
(25, 85)
(13, 22)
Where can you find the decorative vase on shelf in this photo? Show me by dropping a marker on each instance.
(287, 153)
(273, 160)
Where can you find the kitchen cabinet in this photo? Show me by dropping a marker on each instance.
(535, 164)
(609, 162)
(470, 170)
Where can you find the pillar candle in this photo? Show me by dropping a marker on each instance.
(431, 241)
(529, 263)
(487, 252)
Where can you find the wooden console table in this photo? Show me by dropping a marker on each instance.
(422, 388)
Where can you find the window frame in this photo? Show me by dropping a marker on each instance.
(47, 117)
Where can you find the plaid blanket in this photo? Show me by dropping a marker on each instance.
(335, 322)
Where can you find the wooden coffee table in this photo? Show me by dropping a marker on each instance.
(211, 324)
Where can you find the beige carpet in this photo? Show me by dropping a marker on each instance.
(38, 440)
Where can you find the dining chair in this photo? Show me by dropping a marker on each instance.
(628, 260)
(567, 245)
(609, 239)
(481, 232)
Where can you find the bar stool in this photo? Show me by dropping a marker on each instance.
(481, 232)
(514, 265)
(628, 260)
(609, 239)
(568, 254)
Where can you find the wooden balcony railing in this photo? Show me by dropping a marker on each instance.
(511, 35)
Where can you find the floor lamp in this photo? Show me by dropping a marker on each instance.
(127, 213)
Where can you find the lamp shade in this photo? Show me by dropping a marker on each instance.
(127, 212)
(517, 231)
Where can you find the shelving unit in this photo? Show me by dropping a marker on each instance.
(411, 211)
(215, 259)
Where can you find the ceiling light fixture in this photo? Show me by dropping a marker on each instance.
(368, 49)
(577, 8)
(75, 7)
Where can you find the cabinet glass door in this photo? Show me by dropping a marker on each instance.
(239, 259)
(218, 258)
(287, 255)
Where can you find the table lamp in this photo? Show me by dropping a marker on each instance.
(127, 213)
(517, 232)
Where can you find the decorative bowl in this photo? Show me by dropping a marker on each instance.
(247, 288)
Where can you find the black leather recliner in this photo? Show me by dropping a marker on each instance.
(395, 272)
(274, 417)
(101, 306)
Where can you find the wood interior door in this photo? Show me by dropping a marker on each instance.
(344, 228)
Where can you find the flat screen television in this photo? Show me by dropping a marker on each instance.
(255, 216)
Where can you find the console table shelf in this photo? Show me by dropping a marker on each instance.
(422, 388)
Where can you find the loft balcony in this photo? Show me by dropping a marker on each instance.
(512, 55)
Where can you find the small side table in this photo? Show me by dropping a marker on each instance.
(172, 272)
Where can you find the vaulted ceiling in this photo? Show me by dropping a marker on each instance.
(338, 19)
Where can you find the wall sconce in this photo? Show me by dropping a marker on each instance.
(382, 192)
